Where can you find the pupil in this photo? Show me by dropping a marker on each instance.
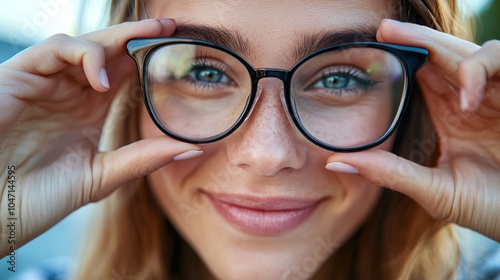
(209, 75)
(335, 82)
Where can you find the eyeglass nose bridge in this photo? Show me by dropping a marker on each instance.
(277, 73)
(281, 74)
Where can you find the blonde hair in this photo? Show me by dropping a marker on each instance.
(398, 241)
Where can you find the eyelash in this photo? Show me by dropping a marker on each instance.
(202, 62)
(348, 72)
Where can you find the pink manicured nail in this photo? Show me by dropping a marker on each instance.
(464, 102)
(104, 78)
(187, 155)
(341, 167)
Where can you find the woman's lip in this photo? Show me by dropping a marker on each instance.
(263, 216)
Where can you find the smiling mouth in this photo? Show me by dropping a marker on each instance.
(263, 216)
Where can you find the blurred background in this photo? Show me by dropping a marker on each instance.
(26, 22)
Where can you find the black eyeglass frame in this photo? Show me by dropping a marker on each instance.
(411, 59)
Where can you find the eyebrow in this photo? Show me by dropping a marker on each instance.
(222, 36)
(309, 43)
(306, 43)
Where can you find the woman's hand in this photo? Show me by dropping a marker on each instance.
(461, 86)
(54, 96)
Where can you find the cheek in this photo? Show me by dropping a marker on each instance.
(167, 195)
(146, 126)
(355, 203)
(166, 183)
(351, 208)
(168, 186)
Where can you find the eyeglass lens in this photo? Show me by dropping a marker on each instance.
(345, 97)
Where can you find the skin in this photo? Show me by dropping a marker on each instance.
(247, 163)
(48, 107)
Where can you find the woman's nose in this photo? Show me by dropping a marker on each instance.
(267, 142)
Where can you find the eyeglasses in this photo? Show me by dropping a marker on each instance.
(343, 98)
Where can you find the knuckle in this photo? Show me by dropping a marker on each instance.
(65, 41)
(57, 41)
(141, 170)
(492, 44)
(463, 67)
(59, 38)
(469, 66)
(89, 49)
(87, 43)
(94, 49)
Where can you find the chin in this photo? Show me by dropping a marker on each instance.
(291, 264)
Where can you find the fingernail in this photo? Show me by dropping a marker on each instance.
(104, 78)
(391, 21)
(165, 21)
(341, 167)
(187, 155)
(464, 102)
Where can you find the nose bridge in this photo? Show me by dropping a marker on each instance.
(280, 74)
(267, 143)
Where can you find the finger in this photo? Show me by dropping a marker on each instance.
(445, 51)
(388, 170)
(120, 71)
(90, 50)
(114, 38)
(112, 169)
(475, 72)
(56, 53)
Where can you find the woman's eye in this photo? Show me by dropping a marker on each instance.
(333, 82)
(208, 75)
(342, 81)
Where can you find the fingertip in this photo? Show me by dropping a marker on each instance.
(476, 99)
(349, 163)
(166, 22)
(99, 80)
(187, 155)
(341, 167)
(103, 77)
(405, 33)
(167, 26)
(388, 22)
(93, 63)
(385, 28)
(381, 31)
(464, 100)
(469, 103)
(379, 37)
(381, 167)
(142, 158)
(474, 79)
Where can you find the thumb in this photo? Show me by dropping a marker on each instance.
(113, 169)
(388, 170)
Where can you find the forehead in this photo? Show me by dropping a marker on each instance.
(271, 27)
(281, 13)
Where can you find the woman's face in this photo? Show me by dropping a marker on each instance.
(260, 204)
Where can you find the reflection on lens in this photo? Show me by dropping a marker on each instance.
(197, 92)
(177, 66)
(349, 97)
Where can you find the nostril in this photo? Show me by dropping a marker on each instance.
(257, 95)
